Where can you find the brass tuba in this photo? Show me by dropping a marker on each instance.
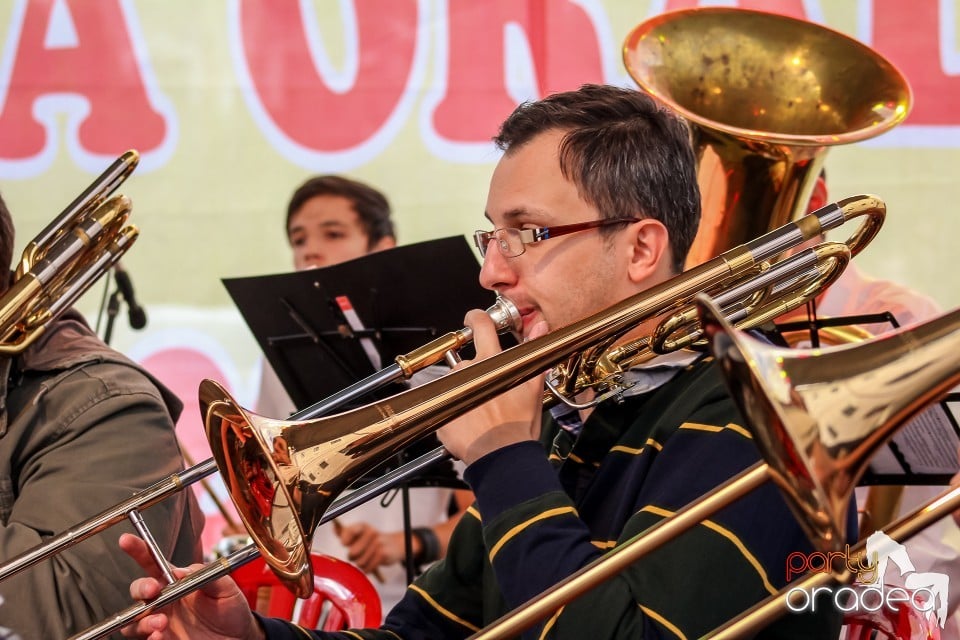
(765, 96)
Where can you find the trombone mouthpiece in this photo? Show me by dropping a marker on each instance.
(505, 315)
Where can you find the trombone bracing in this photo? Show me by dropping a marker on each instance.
(773, 291)
(285, 476)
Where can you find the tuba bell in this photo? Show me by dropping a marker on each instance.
(766, 96)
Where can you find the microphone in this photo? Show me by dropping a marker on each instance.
(135, 313)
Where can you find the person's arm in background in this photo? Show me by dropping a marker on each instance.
(369, 548)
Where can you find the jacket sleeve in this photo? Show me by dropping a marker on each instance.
(82, 442)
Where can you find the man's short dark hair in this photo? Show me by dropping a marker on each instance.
(371, 206)
(626, 154)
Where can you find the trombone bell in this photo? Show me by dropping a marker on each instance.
(262, 481)
(284, 475)
(819, 415)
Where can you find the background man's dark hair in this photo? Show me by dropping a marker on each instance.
(371, 206)
(626, 154)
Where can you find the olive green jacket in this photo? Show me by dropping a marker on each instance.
(81, 429)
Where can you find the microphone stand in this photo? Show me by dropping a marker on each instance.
(113, 308)
(112, 304)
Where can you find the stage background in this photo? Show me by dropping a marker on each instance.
(232, 104)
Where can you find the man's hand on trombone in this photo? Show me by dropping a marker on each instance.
(218, 610)
(511, 417)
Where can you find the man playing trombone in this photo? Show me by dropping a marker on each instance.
(594, 200)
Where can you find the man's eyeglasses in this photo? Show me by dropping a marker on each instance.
(513, 242)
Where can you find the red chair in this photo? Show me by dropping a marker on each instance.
(900, 622)
(343, 597)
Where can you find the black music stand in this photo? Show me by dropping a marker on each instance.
(402, 298)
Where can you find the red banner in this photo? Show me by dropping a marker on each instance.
(81, 71)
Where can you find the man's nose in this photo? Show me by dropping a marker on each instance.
(314, 255)
(497, 271)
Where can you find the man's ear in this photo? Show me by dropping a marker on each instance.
(386, 242)
(649, 250)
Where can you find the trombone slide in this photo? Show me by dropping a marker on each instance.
(900, 531)
(622, 556)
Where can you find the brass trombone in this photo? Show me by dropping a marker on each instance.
(813, 449)
(781, 394)
(285, 476)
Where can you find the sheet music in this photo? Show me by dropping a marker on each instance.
(357, 325)
(924, 451)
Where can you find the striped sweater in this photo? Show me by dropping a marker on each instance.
(538, 518)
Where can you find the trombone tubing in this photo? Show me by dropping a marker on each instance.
(902, 530)
(464, 388)
(500, 312)
(140, 500)
(171, 593)
(222, 566)
(622, 556)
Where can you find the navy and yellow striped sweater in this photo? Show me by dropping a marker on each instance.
(539, 518)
